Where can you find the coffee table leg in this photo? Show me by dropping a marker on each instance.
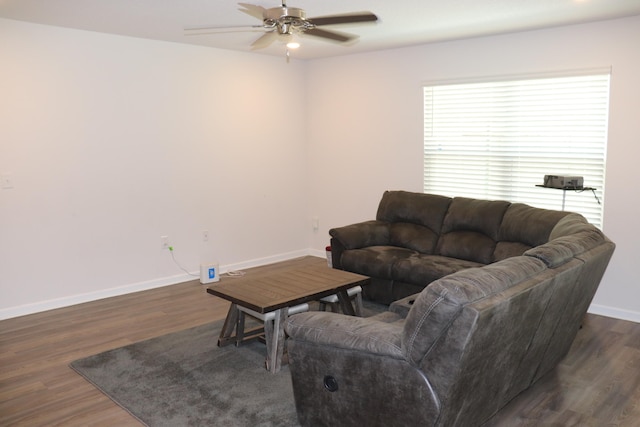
(274, 335)
(229, 325)
(345, 303)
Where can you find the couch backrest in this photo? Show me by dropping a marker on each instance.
(495, 346)
(571, 236)
(477, 230)
(494, 330)
(571, 301)
(415, 219)
(486, 331)
(440, 303)
(470, 229)
(524, 227)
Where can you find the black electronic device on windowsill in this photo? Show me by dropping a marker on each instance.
(566, 183)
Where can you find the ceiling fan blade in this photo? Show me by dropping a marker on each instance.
(331, 35)
(349, 18)
(197, 31)
(265, 40)
(253, 10)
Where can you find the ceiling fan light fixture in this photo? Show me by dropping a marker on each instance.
(292, 40)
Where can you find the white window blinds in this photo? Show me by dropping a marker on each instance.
(497, 140)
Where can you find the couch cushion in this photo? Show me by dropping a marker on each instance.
(424, 269)
(412, 236)
(467, 245)
(570, 224)
(417, 208)
(571, 236)
(482, 216)
(470, 229)
(560, 250)
(527, 225)
(374, 261)
(440, 303)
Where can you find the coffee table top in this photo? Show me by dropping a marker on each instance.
(307, 280)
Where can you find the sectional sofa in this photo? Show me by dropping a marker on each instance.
(486, 298)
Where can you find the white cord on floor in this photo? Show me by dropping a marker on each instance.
(235, 273)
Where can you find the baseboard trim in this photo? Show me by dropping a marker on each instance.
(23, 310)
(53, 304)
(265, 261)
(616, 313)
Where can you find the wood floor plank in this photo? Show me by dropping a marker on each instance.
(597, 384)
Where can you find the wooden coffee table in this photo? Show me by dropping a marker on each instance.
(303, 280)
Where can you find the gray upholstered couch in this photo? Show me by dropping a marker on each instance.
(466, 344)
(417, 238)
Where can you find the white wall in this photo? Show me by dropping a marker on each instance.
(373, 103)
(112, 142)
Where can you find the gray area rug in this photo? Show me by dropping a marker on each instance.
(185, 379)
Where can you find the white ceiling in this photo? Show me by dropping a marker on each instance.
(401, 22)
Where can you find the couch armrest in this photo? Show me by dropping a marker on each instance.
(402, 306)
(362, 234)
(348, 332)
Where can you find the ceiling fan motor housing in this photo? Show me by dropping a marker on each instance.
(286, 19)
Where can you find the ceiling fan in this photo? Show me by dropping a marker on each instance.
(286, 22)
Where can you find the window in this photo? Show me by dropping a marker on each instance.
(497, 140)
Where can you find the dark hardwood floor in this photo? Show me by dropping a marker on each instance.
(597, 384)
(37, 388)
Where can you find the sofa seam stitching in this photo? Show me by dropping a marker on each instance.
(423, 318)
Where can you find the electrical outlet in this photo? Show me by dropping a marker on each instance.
(164, 242)
(6, 182)
(205, 235)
